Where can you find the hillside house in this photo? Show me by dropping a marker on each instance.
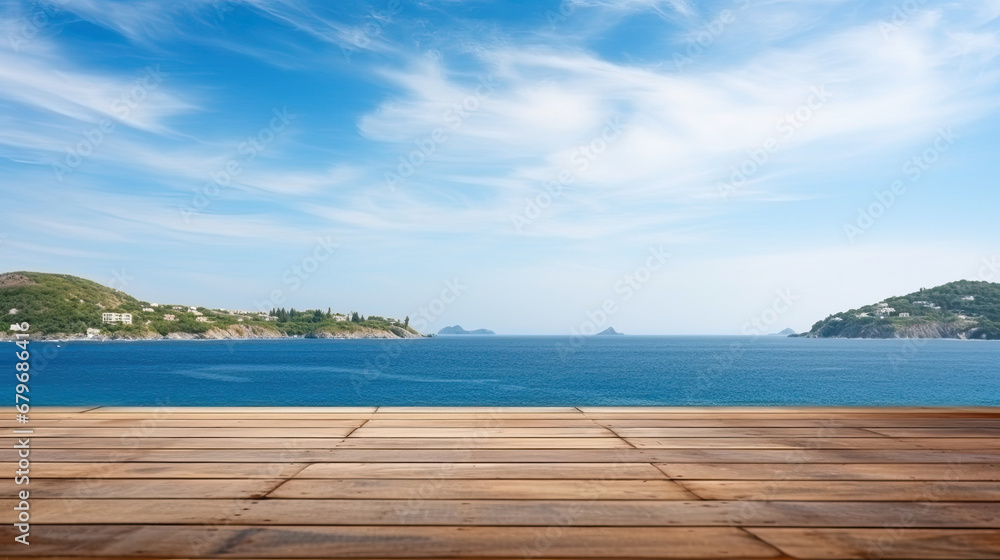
(112, 318)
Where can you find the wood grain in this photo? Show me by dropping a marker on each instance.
(505, 483)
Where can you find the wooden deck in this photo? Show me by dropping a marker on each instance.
(528, 483)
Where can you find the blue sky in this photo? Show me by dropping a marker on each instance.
(665, 167)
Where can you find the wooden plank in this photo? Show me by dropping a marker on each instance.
(328, 443)
(234, 410)
(773, 410)
(938, 432)
(242, 541)
(883, 443)
(94, 470)
(479, 416)
(855, 490)
(867, 417)
(481, 489)
(153, 488)
(468, 453)
(501, 513)
(552, 443)
(890, 542)
(807, 471)
(422, 432)
(545, 422)
(478, 409)
(598, 471)
(109, 445)
(186, 432)
(820, 423)
(201, 416)
(473, 420)
(736, 432)
(208, 423)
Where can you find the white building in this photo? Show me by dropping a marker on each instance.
(904, 314)
(148, 309)
(202, 319)
(882, 309)
(969, 298)
(169, 317)
(123, 318)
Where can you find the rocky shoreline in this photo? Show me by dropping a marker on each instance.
(235, 332)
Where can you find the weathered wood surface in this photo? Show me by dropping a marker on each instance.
(552, 482)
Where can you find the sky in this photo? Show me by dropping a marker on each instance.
(659, 166)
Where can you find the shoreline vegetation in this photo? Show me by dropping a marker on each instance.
(61, 307)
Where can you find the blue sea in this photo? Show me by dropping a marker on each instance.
(515, 370)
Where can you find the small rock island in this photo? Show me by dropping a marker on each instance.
(457, 329)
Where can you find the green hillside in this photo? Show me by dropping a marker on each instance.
(962, 309)
(59, 303)
(64, 306)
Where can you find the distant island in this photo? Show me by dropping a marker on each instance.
(64, 307)
(457, 329)
(609, 331)
(962, 309)
(784, 332)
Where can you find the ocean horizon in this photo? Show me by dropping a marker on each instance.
(519, 370)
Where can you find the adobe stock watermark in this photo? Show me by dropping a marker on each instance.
(707, 35)
(913, 170)
(625, 288)
(29, 26)
(561, 14)
(452, 118)
(120, 279)
(361, 36)
(990, 269)
(424, 316)
(757, 327)
(762, 323)
(787, 127)
(901, 14)
(96, 135)
(294, 276)
(580, 160)
(433, 309)
(246, 152)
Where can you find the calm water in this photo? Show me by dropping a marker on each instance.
(630, 370)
